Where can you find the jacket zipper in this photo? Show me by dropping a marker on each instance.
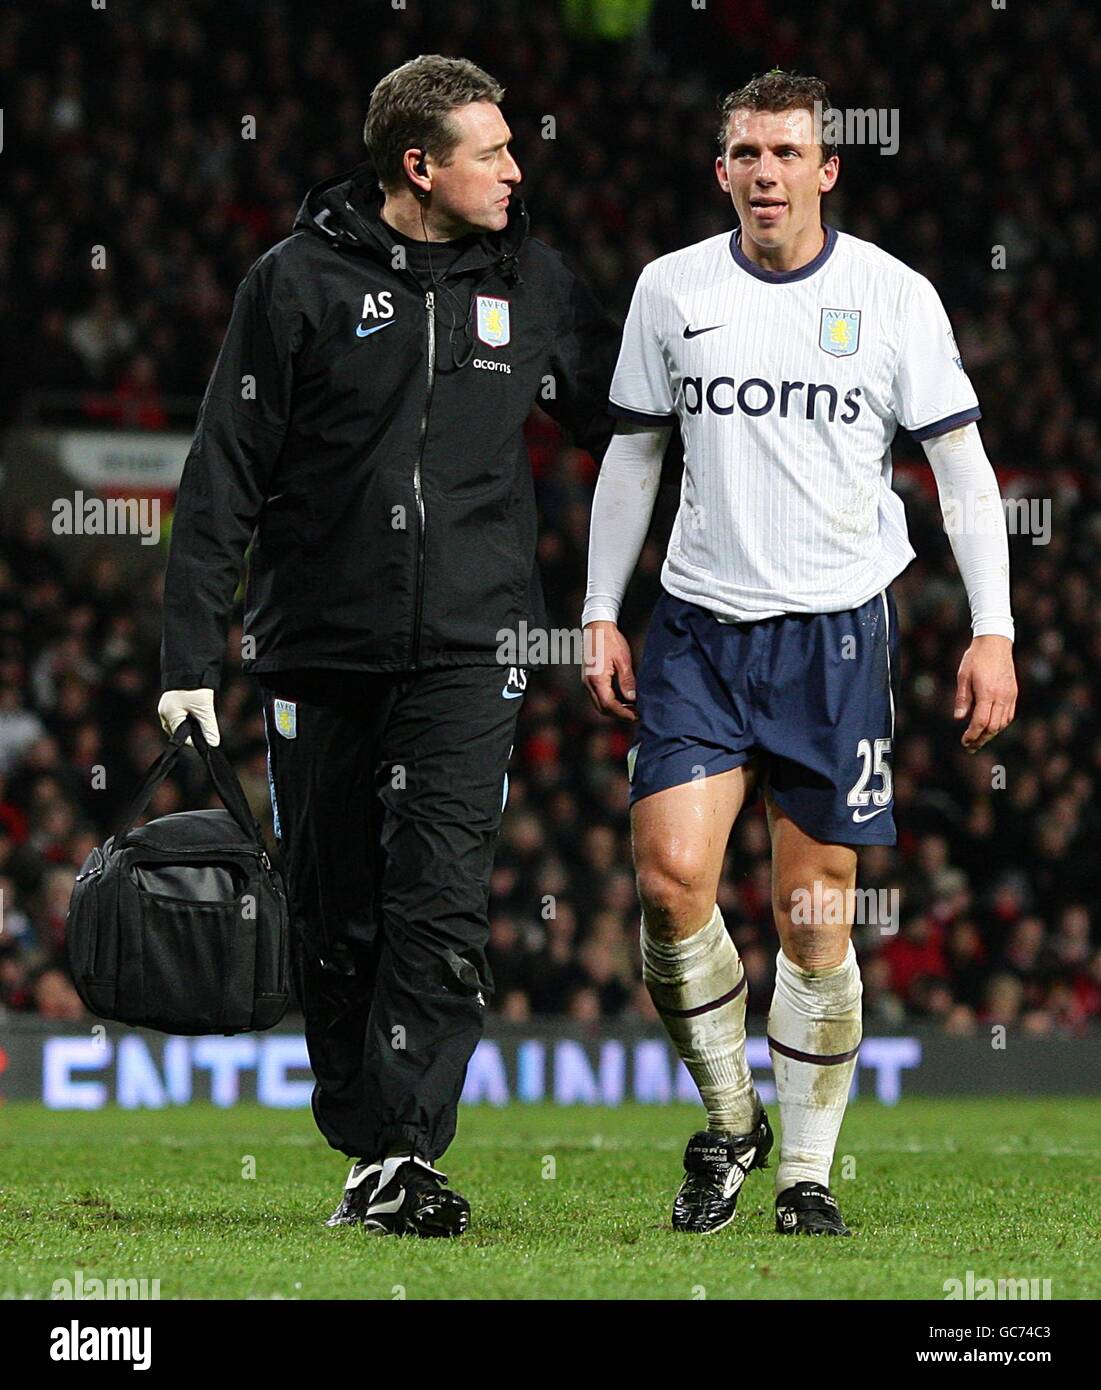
(418, 597)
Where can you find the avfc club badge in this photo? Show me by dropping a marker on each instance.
(839, 332)
(286, 721)
(493, 325)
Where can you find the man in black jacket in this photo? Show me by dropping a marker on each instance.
(363, 428)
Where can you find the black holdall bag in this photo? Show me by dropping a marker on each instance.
(182, 924)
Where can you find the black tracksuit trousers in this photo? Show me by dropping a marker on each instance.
(387, 792)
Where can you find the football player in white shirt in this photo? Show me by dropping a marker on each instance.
(789, 353)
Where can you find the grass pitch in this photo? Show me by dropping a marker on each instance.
(567, 1203)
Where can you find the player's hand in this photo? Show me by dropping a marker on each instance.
(608, 673)
(986, 689)
(176, 705)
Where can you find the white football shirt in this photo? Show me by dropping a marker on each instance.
(789, 387)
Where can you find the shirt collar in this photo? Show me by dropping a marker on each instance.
(781, 277)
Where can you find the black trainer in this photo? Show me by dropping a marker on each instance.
(809, 1209)
(715, 1166)
(411, 1198)
(358, 1190)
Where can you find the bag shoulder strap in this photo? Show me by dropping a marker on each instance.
(221, 773)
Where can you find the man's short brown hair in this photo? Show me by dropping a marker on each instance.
(779, 91)
(410, 109)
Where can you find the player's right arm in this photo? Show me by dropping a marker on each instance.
(240, 432)
(641, 398)
(622, 507)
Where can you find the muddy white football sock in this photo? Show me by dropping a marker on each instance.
(698, 987)
(814, 1033)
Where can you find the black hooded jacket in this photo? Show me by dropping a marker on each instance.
(363, 429)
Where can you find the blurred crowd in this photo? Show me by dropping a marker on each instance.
(124, 132)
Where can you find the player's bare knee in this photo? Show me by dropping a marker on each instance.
(675, 900)
(813, 908)
(825, 880)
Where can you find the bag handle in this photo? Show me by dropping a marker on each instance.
(222, 775)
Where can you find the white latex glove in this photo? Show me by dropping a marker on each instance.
(176, 705)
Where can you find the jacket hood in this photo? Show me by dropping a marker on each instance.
(346, 211)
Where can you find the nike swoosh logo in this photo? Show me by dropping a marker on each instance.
(858, 817)
(690, 332)
(362, 332)
(512, 694)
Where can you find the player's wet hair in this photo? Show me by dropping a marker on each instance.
(411, 106)
(777, 90)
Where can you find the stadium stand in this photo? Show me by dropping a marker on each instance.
(128, 136)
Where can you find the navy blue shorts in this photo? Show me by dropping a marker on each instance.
(810, 694)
